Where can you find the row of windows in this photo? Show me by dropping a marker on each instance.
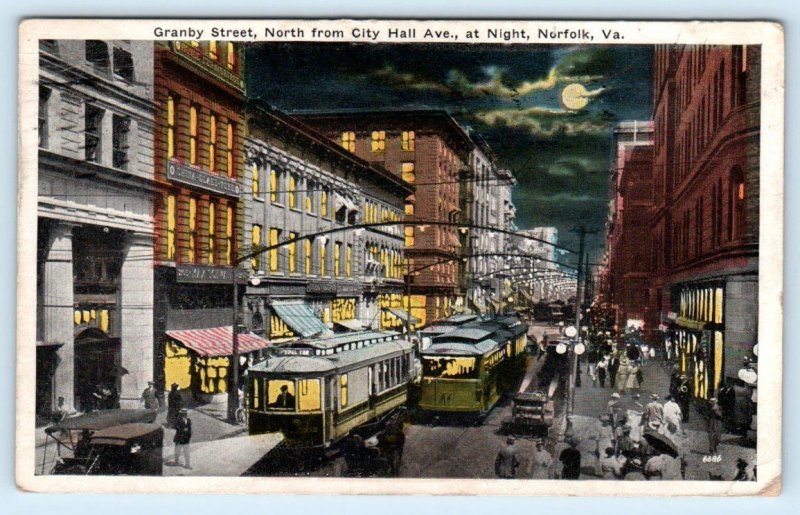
(378, 141)
(704, 304)
(284, 189)
(118, 60)
(375, 213)
(342, 254)
(214, 51)
(390, 261)
(210, 144)
(217, 228)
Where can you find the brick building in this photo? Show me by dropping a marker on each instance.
(199, 154)
(704, 223)
(429, 149)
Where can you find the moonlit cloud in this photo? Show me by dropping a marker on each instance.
(542, 121)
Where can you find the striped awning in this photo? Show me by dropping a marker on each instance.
(300, 317)
(217, 341)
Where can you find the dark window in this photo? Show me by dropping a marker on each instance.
(97, 54)
(120, 141)
(123, 64)
(48, 45)
(93, 120)
(44, 98)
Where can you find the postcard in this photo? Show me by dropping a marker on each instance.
(477, 257)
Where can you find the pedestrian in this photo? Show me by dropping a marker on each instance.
(612, 409)
(540, 462)
(60, 413)
(150, 396)
(613, 368)
(392, 442)
(570, 459)
(174, 405)
(673, 415)
(653, 417)
(674, 381)
(611, 465)
(713, 414)
(506, 463)
(602, 366)
(183, 435)
(635, 413)
(652, 353)
(633, 382)
(623, 371)
(625, 444)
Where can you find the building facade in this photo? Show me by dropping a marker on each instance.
(199, 163)
(704, 223)
(95, 231)
(428, 149)
(302, 183)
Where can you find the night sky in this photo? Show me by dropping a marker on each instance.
(509, 95)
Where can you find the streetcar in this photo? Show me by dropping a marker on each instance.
(442, 326)
(467, 370)
(318, 391)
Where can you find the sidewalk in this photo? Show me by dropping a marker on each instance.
(590, 405)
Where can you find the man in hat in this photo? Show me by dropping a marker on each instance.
(506, 463)
(174, 405)
(713, 415)
(672, 415)
(150, 396)
(183, 435)
(570, 458)
(612, 409)
(285, 399)
(540, 462)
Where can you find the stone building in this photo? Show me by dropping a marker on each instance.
(704, 223)
(301, 183)
(428, 149)
(95, 231)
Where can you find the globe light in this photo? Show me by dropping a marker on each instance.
(561, 348)
(579, 348)
(570, 331)
(755, 350)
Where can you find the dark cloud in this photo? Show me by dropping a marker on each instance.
(509, 94)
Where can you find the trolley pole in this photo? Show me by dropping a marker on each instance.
(574, 357)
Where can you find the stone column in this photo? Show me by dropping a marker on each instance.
(57, 308)
(136, 316)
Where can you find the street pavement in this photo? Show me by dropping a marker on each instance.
(591, 404)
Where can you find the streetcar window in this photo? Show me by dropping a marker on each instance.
(454, 368)
(281, 394)
(308, 392)
(343, 395)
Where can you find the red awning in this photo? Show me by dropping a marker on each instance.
(217, 341)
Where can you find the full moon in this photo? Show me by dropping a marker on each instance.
(574, 97)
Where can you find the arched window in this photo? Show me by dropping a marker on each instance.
(738, 195)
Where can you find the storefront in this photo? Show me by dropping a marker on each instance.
(699, 337)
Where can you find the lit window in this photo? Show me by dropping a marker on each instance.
(255, 262)
(337, 251)
(273, 185)
(190, 253)
(292, 252)
(292, 191)
(193, 135)
(273, 253)
(171, 223)
(212, 143)
(409, 208)
(255, 180)
(212, 213)
(343, 394)
(407, 172)
(230, 154)
(349, 141)
(348, 261)
(212, 50)
(307, 248)
(231, 56)
(309, 394)
(407, 141)
(309, 197)
(409, 235)
(229, 236)
(323, 203)
(323, 258)
(378, 141)
(170, 127)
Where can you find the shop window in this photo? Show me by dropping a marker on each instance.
(123, 64)
(192, 236)
(349, 141)
(378, 141)
(229, 151)
(274, 235)
(171, 224)
(170, 127)
(93, 119)
(407, 141)
(407, 172)
(255, 261)
(278, 328)
(121, 126)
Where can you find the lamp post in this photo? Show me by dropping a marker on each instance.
(575, 348)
